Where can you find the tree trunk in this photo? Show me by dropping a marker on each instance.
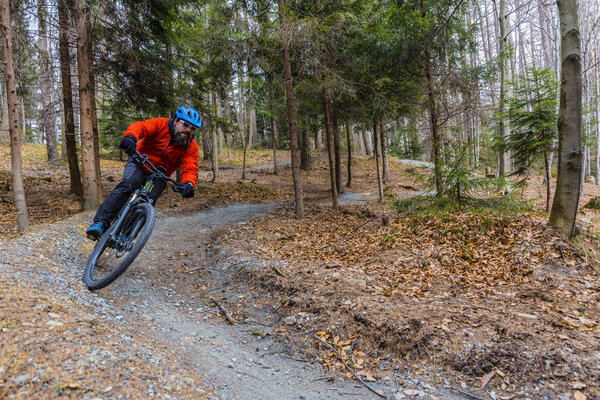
(90, 186)
(289, 94)
(367, 142)
(273, 134)
(505, 77)
(547, 177)
(566, 197)
(206, 146)
(93, 108)
(349, 140)
(305, 156)
(214, 154)
(376, 147)
(597, 92)
(385, 158)
(319, 139)
(46, 86)
(67, 95)
(338, 156)
(4, 128)
(330, 152)
(13, 116)
(435, 133)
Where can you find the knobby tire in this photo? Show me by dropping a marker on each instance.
(142, 210)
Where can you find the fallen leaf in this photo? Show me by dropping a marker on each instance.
(411, 392)
(71, 386)
(578, 385)
(528, 316)
(577, 395)
(587, 322)
(486, 378)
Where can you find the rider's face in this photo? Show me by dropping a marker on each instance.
(182, 133)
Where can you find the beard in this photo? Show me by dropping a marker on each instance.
(181, 138)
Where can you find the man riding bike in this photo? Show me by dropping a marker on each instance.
(169, 143)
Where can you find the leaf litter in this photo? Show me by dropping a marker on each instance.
(499, 302)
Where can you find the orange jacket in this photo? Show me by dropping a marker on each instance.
(154, 138)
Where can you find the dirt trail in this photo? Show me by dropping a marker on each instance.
(160, 300)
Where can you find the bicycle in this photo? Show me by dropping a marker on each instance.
(122, 242)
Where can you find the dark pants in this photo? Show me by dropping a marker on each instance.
(133, 177)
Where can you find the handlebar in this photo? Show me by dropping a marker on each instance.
(142, 160)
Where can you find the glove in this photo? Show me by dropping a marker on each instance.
(128, 144)
(187, 190)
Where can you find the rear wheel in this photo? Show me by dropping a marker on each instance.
(110, 258)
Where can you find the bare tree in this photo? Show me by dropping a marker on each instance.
(91, 195)
(46, 85)
(330, 152)
(214, 153)
(566, 197)
(349, 141)
(13, 116)
(376, 146)
(67, 97)
(385, 158)
(505, 77)
(338, 155)
(289, 94)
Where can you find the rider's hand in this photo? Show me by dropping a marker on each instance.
(128, 144)
(187, 190)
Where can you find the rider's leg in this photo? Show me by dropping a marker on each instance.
(133, 176)
(157, 190)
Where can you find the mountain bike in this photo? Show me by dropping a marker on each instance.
(118, 247)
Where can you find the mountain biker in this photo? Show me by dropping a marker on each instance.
(168, 143)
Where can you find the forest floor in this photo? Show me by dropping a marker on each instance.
(468, 303)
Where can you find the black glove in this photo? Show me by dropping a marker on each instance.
(128, 144)
(187, 190)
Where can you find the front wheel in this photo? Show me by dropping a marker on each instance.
(114, 252)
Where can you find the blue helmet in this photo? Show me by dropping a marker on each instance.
(190, 115)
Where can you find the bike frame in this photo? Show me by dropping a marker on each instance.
(141, 195)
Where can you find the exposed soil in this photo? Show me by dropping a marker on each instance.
(454, 306)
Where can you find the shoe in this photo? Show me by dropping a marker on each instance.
(95, 231)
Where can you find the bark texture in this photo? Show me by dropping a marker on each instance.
(566, 197)
(88, 153)
(289, 94)
(13, 116)
(376, 148)
(67, 97)
(330, 153)
(46, 86)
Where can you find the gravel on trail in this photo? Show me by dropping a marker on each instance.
(154, 332)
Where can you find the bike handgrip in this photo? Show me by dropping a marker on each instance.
(177, 189)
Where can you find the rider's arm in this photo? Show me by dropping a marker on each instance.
(141, 129)
(189, 164)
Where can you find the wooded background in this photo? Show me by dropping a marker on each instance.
(472, 86)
